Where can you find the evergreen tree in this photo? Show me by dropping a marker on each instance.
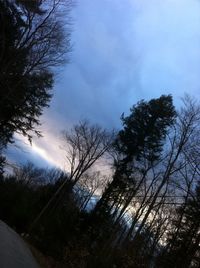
(141, 139)
(31, 42)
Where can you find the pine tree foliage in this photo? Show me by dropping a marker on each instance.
(32, 41)
(141, 139)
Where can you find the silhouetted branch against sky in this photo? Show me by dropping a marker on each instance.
(123, 51)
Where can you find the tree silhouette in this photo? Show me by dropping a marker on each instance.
(183, 242)
(140, 141)
(32, 41)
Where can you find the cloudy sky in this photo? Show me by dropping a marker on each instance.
(123, 51)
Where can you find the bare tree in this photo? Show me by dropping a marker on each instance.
(181, 138)
(89, 185)
(85, 144)
(29, 174)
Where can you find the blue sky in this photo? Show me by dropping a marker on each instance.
(123, 51)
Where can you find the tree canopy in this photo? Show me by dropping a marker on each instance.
(32, 41)
(145, 128)
(148, 214)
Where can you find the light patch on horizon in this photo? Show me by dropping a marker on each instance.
(44, 154)
(42, 151)
(49, 148)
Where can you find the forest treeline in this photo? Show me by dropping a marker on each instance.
(145, 212)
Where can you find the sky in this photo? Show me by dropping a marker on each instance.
(123, 51)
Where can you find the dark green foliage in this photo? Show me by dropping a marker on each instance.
(30, 43)
(22, 197)
(141, 138)
(107, 236)
(64, 231)
(20, 201)
(145, 129)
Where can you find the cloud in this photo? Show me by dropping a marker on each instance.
(123, 51)
(44, 153)
(167, 33)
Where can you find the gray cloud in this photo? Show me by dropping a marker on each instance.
(123, 51)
